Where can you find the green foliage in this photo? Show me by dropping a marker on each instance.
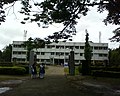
(114, 57)
(62, 11)
(6, 54)
(7, 64)
(32, 44)
(26, 68)
(88, 49)
(80, 68)
(113, 68)
(66, 70)
(12, 70)
(88, 55)
(116, 36)
(86, 70)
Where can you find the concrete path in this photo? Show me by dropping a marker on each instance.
(54, 84)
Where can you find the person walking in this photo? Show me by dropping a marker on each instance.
(33, 70)
(42, 71)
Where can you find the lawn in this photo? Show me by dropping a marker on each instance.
(12, 77)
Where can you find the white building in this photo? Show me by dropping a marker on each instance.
(57, 53)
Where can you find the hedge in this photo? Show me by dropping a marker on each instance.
(115, 69)
(10, 64)
(100, 73)
(12, 70)
(26, 68)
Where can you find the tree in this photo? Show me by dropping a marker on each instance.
(32, 44)
(62, 11)
(0, 55)
(114, 58)
(116, 37)
(7, 53)
(88, 55)
(88, 49)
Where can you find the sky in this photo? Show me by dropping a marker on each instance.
(13, 30)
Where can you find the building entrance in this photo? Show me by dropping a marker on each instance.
(59, 61)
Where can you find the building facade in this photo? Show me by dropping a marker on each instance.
(58, 53)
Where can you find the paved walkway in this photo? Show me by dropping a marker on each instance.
(54, 84)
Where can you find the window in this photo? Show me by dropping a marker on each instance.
(52, 53)
(102, 55)
(105, 48)
(57, 53)
(81, 54)
(67, 47)
(38, 53)
(42, 53)
(61, 53)
(66, 53)
(48, 46)
(77, 47)
(57, 47)
(96, 48)
(62, 47)
(42, 60)
(71, 47)
(76, 61)
(76, 53)
(23, 52)
(81, 47)
(14, 52)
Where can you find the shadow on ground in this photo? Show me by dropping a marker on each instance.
(56, 83)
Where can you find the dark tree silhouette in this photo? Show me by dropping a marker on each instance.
(88, 55)
(62, 11)
(33, 44)
(6, 54)
(88, 49)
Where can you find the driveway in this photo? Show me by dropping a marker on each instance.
(55, 83)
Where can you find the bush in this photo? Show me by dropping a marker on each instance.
(80, 68)
(26, 68)
(115, 69)
(100, 73)
(10, 64)
(12, 70)
(86, 70)
(97, 68)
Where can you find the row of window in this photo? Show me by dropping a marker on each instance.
(18, 46)
(19, 59)
(48, 60)
(57, 53)
(19, 52)
(77, 47)
(66, 47)
(62, 54)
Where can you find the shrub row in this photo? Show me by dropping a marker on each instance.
(115, 69)
(26, 68)
(10, 64)
(100, 73)
(12, 70)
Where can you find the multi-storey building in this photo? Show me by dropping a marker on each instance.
(57, 53)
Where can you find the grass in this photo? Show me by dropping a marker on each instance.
(12, 77)
(104, 80)
(66, 70)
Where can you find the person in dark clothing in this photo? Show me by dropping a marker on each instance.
(34, 71)
(42, 71)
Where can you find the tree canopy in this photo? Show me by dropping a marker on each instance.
(62, 11)
(31, 44)
(6, 54)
